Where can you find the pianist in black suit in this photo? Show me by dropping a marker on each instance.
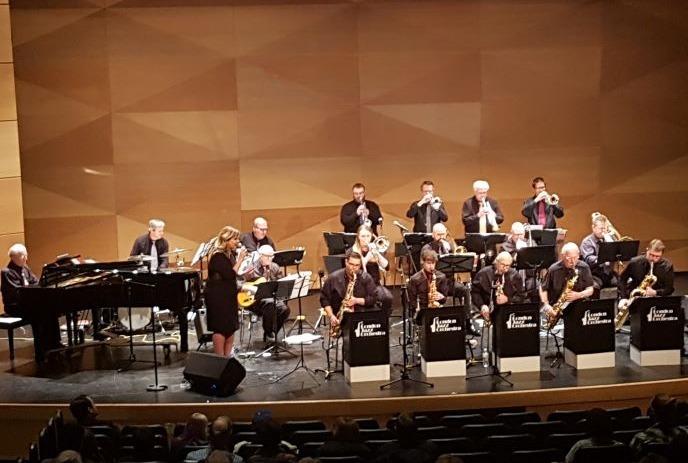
(221, 290)
(153, 244)
(17, 274)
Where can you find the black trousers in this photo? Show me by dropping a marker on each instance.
(274, 314)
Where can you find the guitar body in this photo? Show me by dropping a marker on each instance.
(246, 298)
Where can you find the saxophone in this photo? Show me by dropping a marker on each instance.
(649, 280)
(432, 292)
(499, 291)
(561, 303)
(336, 331)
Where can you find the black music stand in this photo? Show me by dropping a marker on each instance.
(280, 289)
(338, 242)
(288, 258)
(450, 264)
(334, 263)
(544, 237)
(482, 243)
(414, 242)
(535, 258)
(618, 251)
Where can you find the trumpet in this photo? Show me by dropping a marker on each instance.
(491, 215)
(436, 203)
(552, 199)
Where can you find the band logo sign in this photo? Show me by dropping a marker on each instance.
(368, 330)
(445, 325)
(595, 318)
(515, 322)
(661, 315)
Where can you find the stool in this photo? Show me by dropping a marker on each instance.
(9, 324)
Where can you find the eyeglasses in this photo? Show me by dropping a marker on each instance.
(262, 229)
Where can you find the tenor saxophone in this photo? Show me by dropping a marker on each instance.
(432, 292)
(336, 330)
(561, 303)
(649, 280)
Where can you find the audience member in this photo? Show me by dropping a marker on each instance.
(663, 408)
(273, 450)
(220, 439)
(408, 448)
(346, 441)
(68, 456)
(261, 417)
(80, 439)
(600, 430)
(195, 433)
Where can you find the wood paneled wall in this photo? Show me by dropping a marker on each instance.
(211, 112)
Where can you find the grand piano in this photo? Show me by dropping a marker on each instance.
(68, 286)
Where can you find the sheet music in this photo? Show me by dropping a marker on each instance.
(302, 283)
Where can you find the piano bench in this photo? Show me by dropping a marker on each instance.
(9, 324)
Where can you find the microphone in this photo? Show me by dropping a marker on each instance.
(396, 222)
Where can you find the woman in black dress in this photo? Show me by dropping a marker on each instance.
(221, 290)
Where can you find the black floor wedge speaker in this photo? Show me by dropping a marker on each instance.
(211, 374)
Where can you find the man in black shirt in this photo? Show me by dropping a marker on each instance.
(560, 272)
(498, 282)
(334, 289)
(428, 210)
(639, 267)
(258, 236)
(153, 244)
(419, 283)
(46, 329)
(602, 272)
(480, 213)
(541, 209)
(360, 211)
(440, 244)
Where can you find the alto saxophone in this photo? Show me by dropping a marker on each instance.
(561, 303)
(432, 292)
(649, 280)
(336, 330)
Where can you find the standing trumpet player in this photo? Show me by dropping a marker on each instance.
(428, 210)
(542, 208)
(360, 211)
(636, 270)
(480, 213)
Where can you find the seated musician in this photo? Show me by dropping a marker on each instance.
(360, 211)
(274, 313)
(375, 264)
(515, 240)
(480, 213)
(17, 274)
(419, 284)
(542, 208)
(602, 272)
(153, 244)
(558, 275)
(428, 210)
(332, 295)
(498, 283)
(258, 236)
(641, 266)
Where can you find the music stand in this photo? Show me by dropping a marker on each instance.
(414, 242)
(338, 242)
(535, 258)
(288, 258)
(334, 263)
(279, 289)
(450, 264)
(618, 251)
(482, 243)
(544, 237)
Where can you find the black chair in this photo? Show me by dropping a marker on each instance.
(59, 425)
(367, 423)
(249, 436)
(106, 446)
(626, 435)
(377, 434)
(455, 445)
(375, 444)
(34, 453)
(658, 448)
(301, 437)
(543, 429)
(535, 456)
(568, 416)
(348, 459)
(514, 420)
(423, 421)
(128, 453)
(457, 421)
(47, 444)
(625, 415)
(564, 441)
(304, 425)
(480, 431)
(642, 422)
(502, 446)
(104, 430)
(309, 449)
(241, 426)
(607, 454)
(434, 432)
(476, 457)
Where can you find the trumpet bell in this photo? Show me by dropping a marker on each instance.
(381, 244)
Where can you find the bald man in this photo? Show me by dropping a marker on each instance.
(560, 272)
(258, 236)
(440, 244)
(515, 240)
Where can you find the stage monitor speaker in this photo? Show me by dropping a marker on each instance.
(212, 374)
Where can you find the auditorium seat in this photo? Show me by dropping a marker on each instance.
(642, 422)
(568, 416)
(502, 446)
(309, 449)
(625, 435)
(367, 423)
(242, 426)
(375, 444)
(564, 442)
(377, 434)
(302, 436)
(420, 420)
(437, 432)
(127, 453)
(47, 444)
(34, 453)
(304, 425)
(606, 454)
(543, 429)
(249, 436)
(481, 431)
(455, 444)
(514, 420)
(457, 421)
(535, 456)
(625, 415)
(348, 459)
(476, 457)
(106, 446)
